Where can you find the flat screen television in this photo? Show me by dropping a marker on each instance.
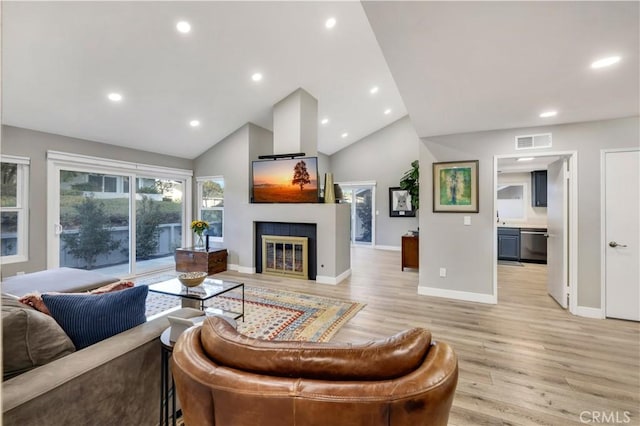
(291, 180)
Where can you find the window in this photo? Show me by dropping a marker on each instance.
(14, 208)
(511, 201)
(103, 213)
(211, 205)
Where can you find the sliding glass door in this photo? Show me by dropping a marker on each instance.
(159, 206)
(94, 221)
(361, 198)
(115, 220)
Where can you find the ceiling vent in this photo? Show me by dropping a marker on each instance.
(542, 140)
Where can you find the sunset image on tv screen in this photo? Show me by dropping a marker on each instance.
(286, 181)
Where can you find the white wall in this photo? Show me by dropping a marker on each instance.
(383, 157)
(534, 215)
(467, 251)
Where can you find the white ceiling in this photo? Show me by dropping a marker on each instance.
(459, 67)
(61, 59)
(472, 66)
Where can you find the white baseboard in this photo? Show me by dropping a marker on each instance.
(585, 311)
(241, 269)
(458, 295)
(322, 279)
(390, 248)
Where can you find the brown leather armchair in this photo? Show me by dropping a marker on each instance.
(224, 378)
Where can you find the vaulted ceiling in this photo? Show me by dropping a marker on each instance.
(457, 66)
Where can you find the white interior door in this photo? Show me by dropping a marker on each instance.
(622, 234)
(557, 226)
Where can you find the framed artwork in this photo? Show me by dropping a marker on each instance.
(455, 187)
(400, 203)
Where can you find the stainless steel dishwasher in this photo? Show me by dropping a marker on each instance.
(533, 245)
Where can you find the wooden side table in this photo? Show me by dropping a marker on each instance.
(410, 251)
(210, 261)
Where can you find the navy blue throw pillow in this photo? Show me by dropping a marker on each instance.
(90, 318)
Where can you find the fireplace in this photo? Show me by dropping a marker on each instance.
(287, 234)
(285, 256)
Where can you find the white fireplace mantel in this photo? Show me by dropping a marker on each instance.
(332, 227)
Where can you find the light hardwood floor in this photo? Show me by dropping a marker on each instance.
(524, 361)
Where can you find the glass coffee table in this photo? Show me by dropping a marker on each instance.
(195, 297)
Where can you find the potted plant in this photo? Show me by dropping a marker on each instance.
(410, 182)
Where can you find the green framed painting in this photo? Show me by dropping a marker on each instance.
(455, 187)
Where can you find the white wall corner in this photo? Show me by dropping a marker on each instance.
(322, 279)
(588, 312)
(458, 295)
(390, 248)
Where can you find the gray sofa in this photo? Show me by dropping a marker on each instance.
(115, 381)
(63, 280)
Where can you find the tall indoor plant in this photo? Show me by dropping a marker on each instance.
(411, 183)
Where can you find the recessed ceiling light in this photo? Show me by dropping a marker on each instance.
(605, 62)
(374, 90)
(183, 26)
(330, 23)
(548, 114)
(256, 77)
(387, 111)
(324, 120)
(345, 134)
(525, 158)
(115, 97)
(194, 123)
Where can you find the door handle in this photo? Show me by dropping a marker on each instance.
(614, 244)
(57, 229)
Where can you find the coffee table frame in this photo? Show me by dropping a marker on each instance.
(209, 289)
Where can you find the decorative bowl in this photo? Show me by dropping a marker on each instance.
(192, 279)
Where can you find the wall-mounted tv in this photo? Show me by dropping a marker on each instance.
(292, 180)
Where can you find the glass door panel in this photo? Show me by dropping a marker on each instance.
(363, 215)
(159, 207)
(94, 219)
(360, 199)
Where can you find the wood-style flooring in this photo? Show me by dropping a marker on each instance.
(524, 361)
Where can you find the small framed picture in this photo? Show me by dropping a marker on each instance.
(400, 203)
(455, 187)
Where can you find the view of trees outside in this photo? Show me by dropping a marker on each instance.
(95, 217)
(9, 219)
(360, 199)
(212, 207)
(365, 217)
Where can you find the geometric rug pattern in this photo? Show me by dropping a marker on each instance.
(272, 314)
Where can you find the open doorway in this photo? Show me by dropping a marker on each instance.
(535, 227)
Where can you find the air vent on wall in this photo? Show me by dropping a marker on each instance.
(542, 140)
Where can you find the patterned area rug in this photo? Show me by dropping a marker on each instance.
(272, 314)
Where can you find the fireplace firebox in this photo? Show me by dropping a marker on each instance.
(285, 256)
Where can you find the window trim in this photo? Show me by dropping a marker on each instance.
(22, 208)
(200, 180)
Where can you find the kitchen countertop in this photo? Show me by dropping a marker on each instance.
(522, 225)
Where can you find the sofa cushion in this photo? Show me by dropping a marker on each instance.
(63, 280)
(29, 338)
(90, 318)
(385, 359)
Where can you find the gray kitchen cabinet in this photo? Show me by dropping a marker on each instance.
(539, 188)
(509, 244)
